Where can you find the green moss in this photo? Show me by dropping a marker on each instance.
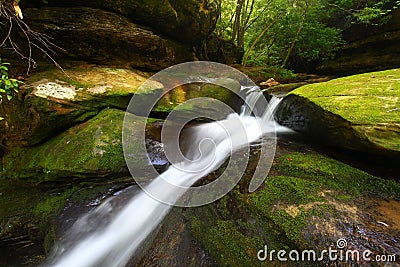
(46, 211)
(216, 91)
(368, 98)
(334, 175)
(91, 148)
(305, 189)
(230, 236)
(52, 205)
(288, 203)
(270, 205)
(27, 207)
(16, 197)
(225, 243)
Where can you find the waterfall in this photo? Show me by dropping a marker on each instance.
(114, 243)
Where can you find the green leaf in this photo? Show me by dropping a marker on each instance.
(1, 118)
(9, 97)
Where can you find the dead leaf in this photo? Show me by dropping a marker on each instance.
(18, 11)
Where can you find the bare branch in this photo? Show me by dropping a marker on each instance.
(34, 39)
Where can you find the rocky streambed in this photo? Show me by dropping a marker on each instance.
(69, 159)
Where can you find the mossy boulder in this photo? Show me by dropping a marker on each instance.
(53, 101)
(360, 112)
(308, 201)
(212, 94)
(91, 150)
(189, 21)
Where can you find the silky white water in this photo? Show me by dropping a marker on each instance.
(114, 244)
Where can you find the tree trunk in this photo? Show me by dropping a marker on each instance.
(295, 38)
(236, 22)
(259, 37)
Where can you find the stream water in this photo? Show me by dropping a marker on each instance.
(102, 239)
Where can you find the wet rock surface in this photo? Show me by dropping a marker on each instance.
(308, 201)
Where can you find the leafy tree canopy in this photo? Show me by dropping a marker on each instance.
(273, 31)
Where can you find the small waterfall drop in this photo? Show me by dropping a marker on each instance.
(113, 244)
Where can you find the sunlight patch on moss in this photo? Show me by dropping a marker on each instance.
(367, 98)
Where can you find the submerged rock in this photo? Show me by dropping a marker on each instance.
(91, 150)
(360, 112)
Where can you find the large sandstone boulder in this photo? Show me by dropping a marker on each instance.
(104, 37)
(360, 112)
(189, 21)
(367, 48)
(378, 52)
(53, 101)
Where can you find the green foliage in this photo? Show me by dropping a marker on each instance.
(279, 31)
(8, 86)
(375, 12)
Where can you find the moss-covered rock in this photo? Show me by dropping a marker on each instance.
(309, 201)
(360, 112)
(53, 101)
(89, 150)
(219, 91)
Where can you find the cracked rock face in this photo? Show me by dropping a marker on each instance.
(107, 38)
(186, 21)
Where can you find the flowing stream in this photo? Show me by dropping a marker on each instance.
(111, 242)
